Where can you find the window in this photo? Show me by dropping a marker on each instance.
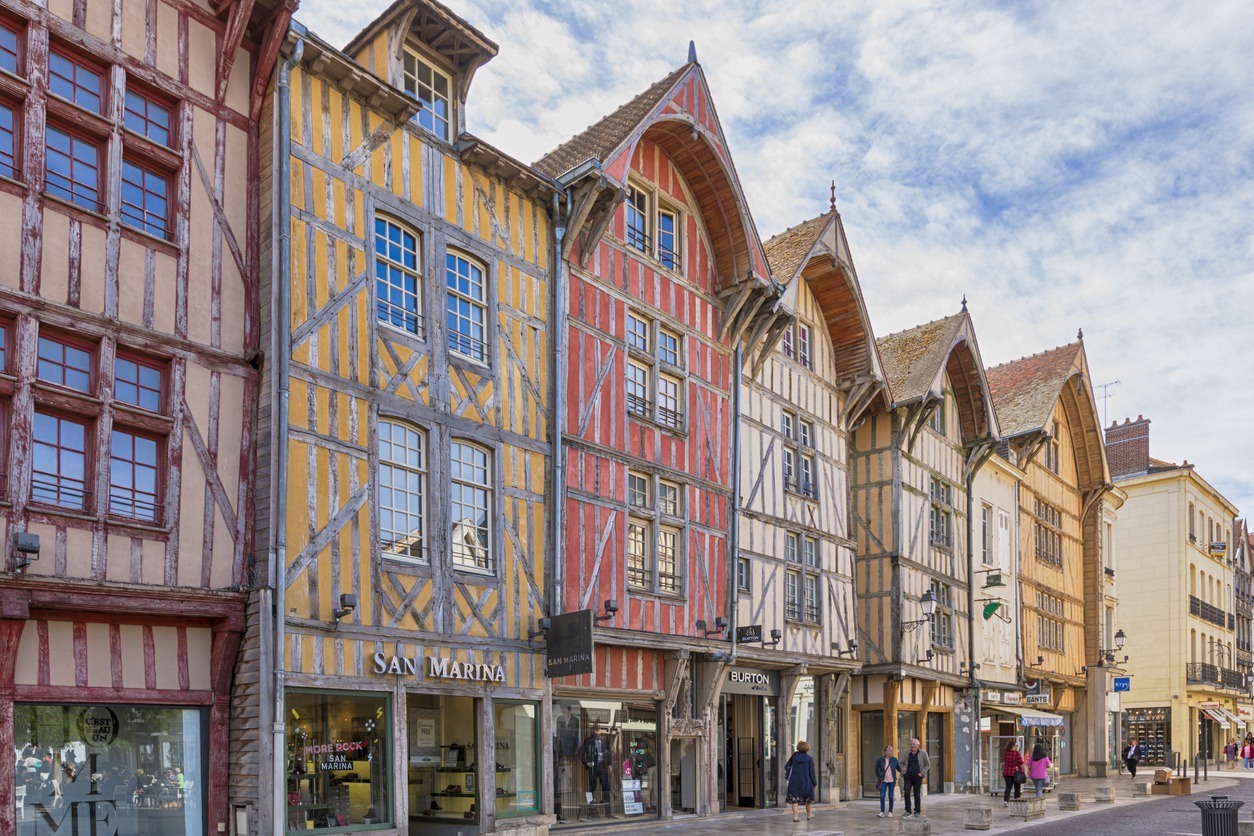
(73, 168)
(940, 521)
(792, 595)
(1050, 453)
(1049, 622)
(1048, 533)
(805, 433)
(64, 364)
(59, 467)
(75, 82)
(810, 551)
(467, 307)
(811, 584)
(133, 476)
(786, 344)
(146, 118)
(402, 491)
(792, 548)
(654, 547)
(798, 343)
(943, 618)
(801, 601)
(470, 508)
(637, 219)
(138, 384)
(805, 480)
(742, 573)
(9, 41)
(803, 346)
(652, 393)
(517, 728)
(986, 535)
(787, 424)
(936, 420)
(8, 138)
(396, 276)
(431, 88)
(800, 468)
(145, 199)
(668, 239)
(331, 736)
(789, 459)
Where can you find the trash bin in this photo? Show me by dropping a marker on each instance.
(1219, 816)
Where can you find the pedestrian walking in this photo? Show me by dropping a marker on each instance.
(1012, 771)
(1247, 754)
(1132, 755)
(1038, 768)
(799, 772)
(917, 763)
(1230, 752)
(887, 769)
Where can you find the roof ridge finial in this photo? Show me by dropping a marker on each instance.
(833, 195)
(964, 302)
(1079, 334)
(692, 52)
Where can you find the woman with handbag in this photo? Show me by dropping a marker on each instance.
(886, 770)
(799, 772)
(1012, 770)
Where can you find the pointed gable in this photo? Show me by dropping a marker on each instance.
(1026, 391)
(677, 114)
(818, 251)
(917, 360)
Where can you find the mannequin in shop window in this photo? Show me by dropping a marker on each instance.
(595, 756)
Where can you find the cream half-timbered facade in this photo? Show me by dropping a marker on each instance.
(794, 565)
(1049, 421)
(407, 488)
(911, 469)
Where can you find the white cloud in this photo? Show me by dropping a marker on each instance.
(1065, 165)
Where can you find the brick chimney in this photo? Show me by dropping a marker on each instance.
(1127, 446)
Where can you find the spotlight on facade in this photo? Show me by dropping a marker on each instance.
(26, 548)
(611, 610)
(776, 635)
(348, 603)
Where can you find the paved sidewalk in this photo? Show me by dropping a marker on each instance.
(945, 812)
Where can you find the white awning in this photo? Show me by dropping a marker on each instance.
(1032, 716)
(1232, 718)
(1218, 716)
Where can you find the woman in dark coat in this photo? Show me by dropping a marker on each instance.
(801, 780)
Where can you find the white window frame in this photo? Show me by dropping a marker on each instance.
(440, 126)
(483, 563)
(942, 628)
(464, 307)
(656, 390)
(412, 467)
(398, 269)
(658, 521)
(941, 519)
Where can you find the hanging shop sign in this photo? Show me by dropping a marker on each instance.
(437, 668)
(1038, 692)
(1012, 698)
(750, 681)
(569, 644)
(749, 634)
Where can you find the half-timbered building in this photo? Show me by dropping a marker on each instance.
(663, 277)
(128, 335)
(1054, 436)
(795, 556)
(912, 466)
(407, 419)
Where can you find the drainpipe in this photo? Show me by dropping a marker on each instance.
(282, 288)
(733, 516)
(558, 318)
(977, 763)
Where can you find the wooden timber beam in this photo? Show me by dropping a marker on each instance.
(274, 30)
(977, 455)
(710, 683)
(918, 416)
(237, 24)
(773, 335)
(399, 32)
(1028, 448)
(603, 212)
(930, 687)
(858, 399)
(676, 671)
(1091, 499)
(741, 292)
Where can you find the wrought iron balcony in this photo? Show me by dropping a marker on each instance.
(1209, 612)
(1207, 674)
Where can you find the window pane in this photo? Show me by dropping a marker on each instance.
(138, 769)
(8, 139)
(638, 573)
(396, 276)
(668, 406)
(608, 749)
(145, 199)
(668, 348)
(637, 332)
(667, 240)
(59, 469)
(8, 49)
(470, 508)
(791, 548)
(137, 384)
(64, 365)
(147, 118)
(75, 83)
(133, 469)
(668, 498)
(402, 490)
(517, 781)
(668, 560)
(73, 168)
(338, 750)
(467, 309)
(637, 219)
(637, 389)
(431, 88)
(637, 490)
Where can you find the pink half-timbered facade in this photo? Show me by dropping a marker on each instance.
(128, 332)
(662, 276)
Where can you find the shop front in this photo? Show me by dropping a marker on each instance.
(748, 738)
(440, 740)
(1216, 723)
(606, 765)
(1152, 729)
(1004, 721)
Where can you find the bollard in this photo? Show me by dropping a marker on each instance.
(1219, 816)
(1141, 787)
(977, 818)
(1104, 795)
(1068, 801)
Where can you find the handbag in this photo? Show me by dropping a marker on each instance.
(1019, 777)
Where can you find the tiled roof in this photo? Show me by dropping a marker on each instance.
(787, 251)
(912, 359)
(599, 139)
(1024, 391)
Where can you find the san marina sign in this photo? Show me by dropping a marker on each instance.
(437, 668)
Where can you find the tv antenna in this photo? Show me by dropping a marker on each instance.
(1105, 387)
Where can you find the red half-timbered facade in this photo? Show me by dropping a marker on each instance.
(128, 333)
(663, 275)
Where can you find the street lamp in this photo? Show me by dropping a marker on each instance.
(1107, 656)
(928, 604)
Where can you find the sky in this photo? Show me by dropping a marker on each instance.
(1063, 165)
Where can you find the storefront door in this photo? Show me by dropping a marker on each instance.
(770, 752)
(936, 750)
(743, 730)
(872, 748)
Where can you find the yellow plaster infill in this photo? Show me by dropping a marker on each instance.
(397, 185)
(335, 109)
(415, 171)
(450, 189)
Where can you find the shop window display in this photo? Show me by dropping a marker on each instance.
(605, 760)
(517, 789)
(131, 770)
(337, 761)
(443, 766)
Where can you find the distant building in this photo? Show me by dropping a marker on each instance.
(1177, 604)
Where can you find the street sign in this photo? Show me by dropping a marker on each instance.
(749, 635)
(1123, 683)
(569, 641)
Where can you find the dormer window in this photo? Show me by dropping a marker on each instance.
(431, 88)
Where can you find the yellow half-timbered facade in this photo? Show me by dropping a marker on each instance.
(912, 466)
(408, 451)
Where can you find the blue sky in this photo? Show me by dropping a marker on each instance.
(1065, 165)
